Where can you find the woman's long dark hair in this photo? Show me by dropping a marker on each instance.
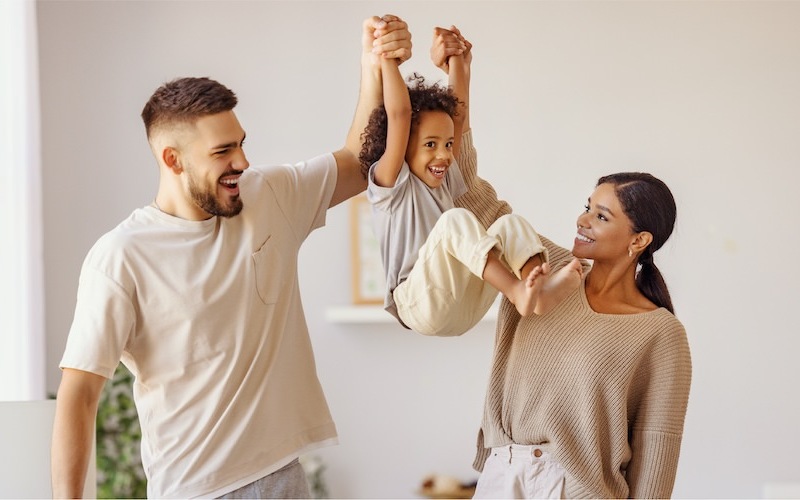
(649, 204)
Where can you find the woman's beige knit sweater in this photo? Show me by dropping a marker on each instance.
(608, 392)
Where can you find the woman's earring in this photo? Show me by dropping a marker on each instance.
(630, 253)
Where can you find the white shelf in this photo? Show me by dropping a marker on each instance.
(358, 314)
(376, 314)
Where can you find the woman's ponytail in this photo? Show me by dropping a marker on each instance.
(652, 284)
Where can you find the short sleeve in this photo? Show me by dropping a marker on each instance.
(103, 323)
(302, 191)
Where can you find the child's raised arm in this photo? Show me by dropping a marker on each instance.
(398, 114)
(453, 54)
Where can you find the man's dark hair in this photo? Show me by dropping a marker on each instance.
(184, 100)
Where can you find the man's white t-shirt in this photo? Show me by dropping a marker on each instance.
(207, 316)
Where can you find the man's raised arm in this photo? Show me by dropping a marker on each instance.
(380, 35)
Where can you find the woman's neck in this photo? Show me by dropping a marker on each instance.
(612, 289)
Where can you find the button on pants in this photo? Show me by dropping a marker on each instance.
(517, 471)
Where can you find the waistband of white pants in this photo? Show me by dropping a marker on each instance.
(533, 452)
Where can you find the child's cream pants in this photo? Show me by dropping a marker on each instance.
(444, 293)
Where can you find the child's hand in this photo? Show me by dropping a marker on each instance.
(446, 43)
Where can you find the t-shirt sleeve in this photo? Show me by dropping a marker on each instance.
(383, 197)
(303, 191)
(103, 322)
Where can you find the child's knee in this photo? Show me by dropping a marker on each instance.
(458, 218)
(454, 215)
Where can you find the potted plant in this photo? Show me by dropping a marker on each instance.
(119, 460)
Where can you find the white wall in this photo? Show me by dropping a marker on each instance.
(702, 94)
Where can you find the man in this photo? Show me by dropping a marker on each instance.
(198, 295)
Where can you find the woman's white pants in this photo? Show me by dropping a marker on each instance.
(519, 471)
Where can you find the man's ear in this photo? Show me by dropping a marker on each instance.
(170, 157)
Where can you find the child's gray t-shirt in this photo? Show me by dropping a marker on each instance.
(403, 217)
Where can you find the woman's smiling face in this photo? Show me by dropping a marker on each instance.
(604, 230)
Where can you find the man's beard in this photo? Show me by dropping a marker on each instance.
(207, 200)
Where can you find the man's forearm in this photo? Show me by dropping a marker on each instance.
(370, 96)
(71, 451)
(389, 36)
(73, 431)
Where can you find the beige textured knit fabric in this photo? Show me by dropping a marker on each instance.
(607, 391)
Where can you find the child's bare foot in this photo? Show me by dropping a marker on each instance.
(540, 291)
(525, 293)
(551, 289)
(523, 298)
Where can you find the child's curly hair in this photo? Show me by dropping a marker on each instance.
(423, 97)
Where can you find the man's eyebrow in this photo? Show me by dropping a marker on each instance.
(230, 144)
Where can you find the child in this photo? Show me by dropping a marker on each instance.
(443, 268)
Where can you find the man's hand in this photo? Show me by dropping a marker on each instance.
(446, 43)
(384, 37)
(387, 37)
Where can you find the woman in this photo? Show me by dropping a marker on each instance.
(588, 400)
(596, 391)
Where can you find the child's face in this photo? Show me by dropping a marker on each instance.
(430, 147)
